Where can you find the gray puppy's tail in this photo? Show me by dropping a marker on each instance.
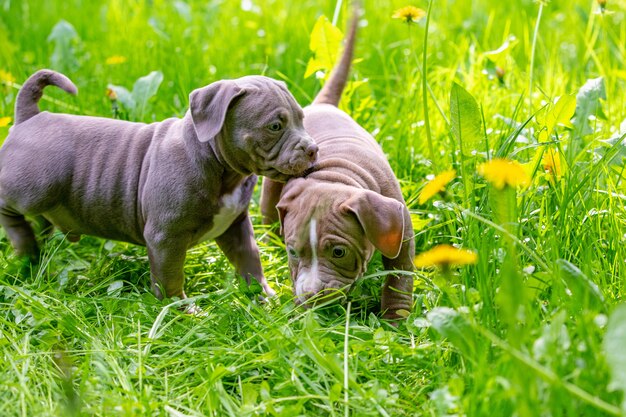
(32, 90)
(331, 91)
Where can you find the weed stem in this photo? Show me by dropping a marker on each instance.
(429, 137)
(532, 57)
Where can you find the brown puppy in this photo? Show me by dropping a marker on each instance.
(166, 185)
(349, 204)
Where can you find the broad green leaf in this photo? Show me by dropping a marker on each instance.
(183, 9)
(143, 90)
(249, 393)
(64, 37)
(418, 222)
(581, 287)
(588, 103)
(335, 392)
(454, 327)
(219, 372)
(465, 118)
(561, 113)
(614, 343)
(615, 145)
(115, 288)
(325, 44)
(124, 97)
(314, 65)
(511, 298)
(563, 110)
(499, 56)
(63, 31)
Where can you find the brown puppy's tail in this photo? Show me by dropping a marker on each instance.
(32, 90)
(331, 91)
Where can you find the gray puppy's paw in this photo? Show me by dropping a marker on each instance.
(194, 310)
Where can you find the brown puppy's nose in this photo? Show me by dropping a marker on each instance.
(311, 152)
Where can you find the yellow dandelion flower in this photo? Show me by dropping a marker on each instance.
(436, 185)
(504, 172)
(551, 163)
(409, 14)
(4, 121)
(6, 77)
(115, 59)
(445, 256)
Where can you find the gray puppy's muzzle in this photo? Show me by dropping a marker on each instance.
(303, 156)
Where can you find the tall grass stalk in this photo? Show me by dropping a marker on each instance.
(533, 50)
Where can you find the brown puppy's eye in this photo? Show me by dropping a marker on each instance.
(292, 252)
(275, 127)
(339, 252)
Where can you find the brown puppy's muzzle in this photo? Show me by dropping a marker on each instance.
(324, 296)
(315, 288)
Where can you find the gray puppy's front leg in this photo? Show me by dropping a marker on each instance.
(167, 258)
(239, 246)
(19, 232)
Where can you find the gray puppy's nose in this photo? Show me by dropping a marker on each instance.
(311, 152)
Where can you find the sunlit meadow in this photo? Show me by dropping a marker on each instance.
(505, 124)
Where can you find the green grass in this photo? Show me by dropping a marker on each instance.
(520, 333)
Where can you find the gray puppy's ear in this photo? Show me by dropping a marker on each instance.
(281, 84)
(208, 106)
(382, 219)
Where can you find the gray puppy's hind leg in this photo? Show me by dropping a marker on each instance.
(43, 227)
(19, 232)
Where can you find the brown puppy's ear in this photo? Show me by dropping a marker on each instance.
(270, 196)
(208, 106)
(382, 219)
(295, 188)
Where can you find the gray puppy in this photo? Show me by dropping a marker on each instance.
(349, 204)
(166, 185)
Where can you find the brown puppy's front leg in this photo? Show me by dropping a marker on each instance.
(270, 196)
(167, 258)
(397, 293)
(239, 246)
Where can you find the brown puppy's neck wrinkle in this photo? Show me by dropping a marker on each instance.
(340, 170)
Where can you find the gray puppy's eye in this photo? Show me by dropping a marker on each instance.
(275, 127)
(292, 252)
(339, 252)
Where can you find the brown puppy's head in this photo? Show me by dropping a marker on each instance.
(255, 126)
(331, 231)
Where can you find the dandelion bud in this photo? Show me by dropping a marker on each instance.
(111, 94)
(500, 73)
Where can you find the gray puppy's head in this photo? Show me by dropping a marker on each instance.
(331, 231)
(255, 126)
